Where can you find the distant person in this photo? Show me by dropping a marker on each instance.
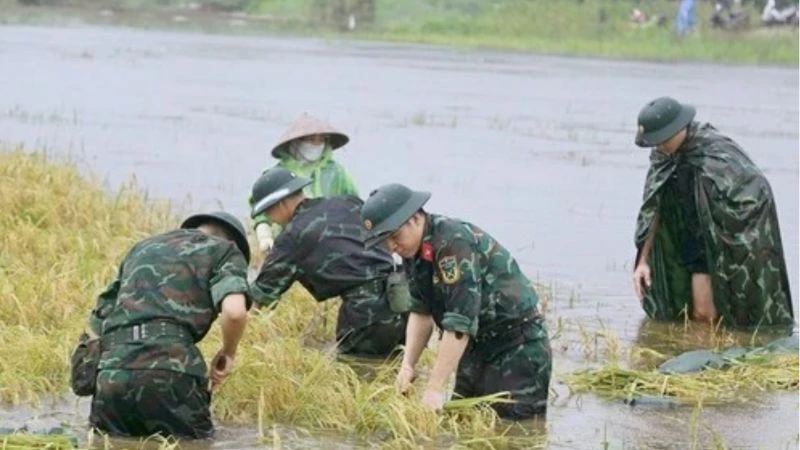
(729, 15)
(685, 19)
(643, 20)
(779, 13)
(638, 16)
(306, 148)
(707, 236)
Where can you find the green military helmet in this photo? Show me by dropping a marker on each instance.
(387, 209)
(661, 119)
(228, 221)
(274, 185)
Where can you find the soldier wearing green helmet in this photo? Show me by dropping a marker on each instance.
(139, 359)
(469, 285)
(320, 247)
(707, 235)
(306, 148)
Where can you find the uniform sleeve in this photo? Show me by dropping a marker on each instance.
(417, 305)
(456, 266)
(105, 301)
(276, 229)
(229, 277)
(277, 273)
(259, 219)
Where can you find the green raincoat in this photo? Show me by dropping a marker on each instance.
(738, 225)
(329, 179)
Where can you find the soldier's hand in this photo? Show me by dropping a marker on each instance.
(433, 399)
(405, 379)
(264, 236)
(641, 279)
(221, 367)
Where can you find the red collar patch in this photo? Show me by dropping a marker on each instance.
(426, 252)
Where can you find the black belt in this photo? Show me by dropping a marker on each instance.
(509, 328)
(377, 284)
(147, 330)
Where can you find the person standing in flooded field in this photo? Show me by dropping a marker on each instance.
(170, 288)
(707, 235)
(306, 148)
(321, 248)
(470, 286)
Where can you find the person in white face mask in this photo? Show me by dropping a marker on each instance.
(306, 148)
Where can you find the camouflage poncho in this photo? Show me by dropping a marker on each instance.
(736, 220)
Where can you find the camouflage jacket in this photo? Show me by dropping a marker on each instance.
(179, 277)
(467, 281)
(321, 247)
(738, 222)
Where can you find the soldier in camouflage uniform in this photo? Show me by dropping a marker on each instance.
(321, 248)
(169, 289)
(707, 235)
(469, 285)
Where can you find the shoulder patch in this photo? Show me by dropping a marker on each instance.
(448, 266)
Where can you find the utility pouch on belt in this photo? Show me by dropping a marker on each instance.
(398, 292)
(83, 365)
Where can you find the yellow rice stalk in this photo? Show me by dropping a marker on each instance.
(62, 239)
(741, 382)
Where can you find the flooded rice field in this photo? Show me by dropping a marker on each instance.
(536, 150)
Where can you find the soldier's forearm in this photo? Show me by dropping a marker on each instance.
(418, 332)
(234, 320)
(648, 244)
(451, 349)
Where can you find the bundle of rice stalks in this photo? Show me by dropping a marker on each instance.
(34, 442)
(740, 381)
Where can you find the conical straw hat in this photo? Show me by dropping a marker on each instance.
(307, 126)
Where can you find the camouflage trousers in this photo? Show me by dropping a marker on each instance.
(137, 403)
(366, 326)
(520, 364)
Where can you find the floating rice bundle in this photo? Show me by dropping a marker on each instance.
(34, 442)
(739, 380)
(477, 402)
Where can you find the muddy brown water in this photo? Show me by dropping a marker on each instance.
(536, 150)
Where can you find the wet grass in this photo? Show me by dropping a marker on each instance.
(63, 237)
(741, 381)
(598, 28)
(287, 376)
(26, 441)
(587, 28)
(628, 373)
(29, 442)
